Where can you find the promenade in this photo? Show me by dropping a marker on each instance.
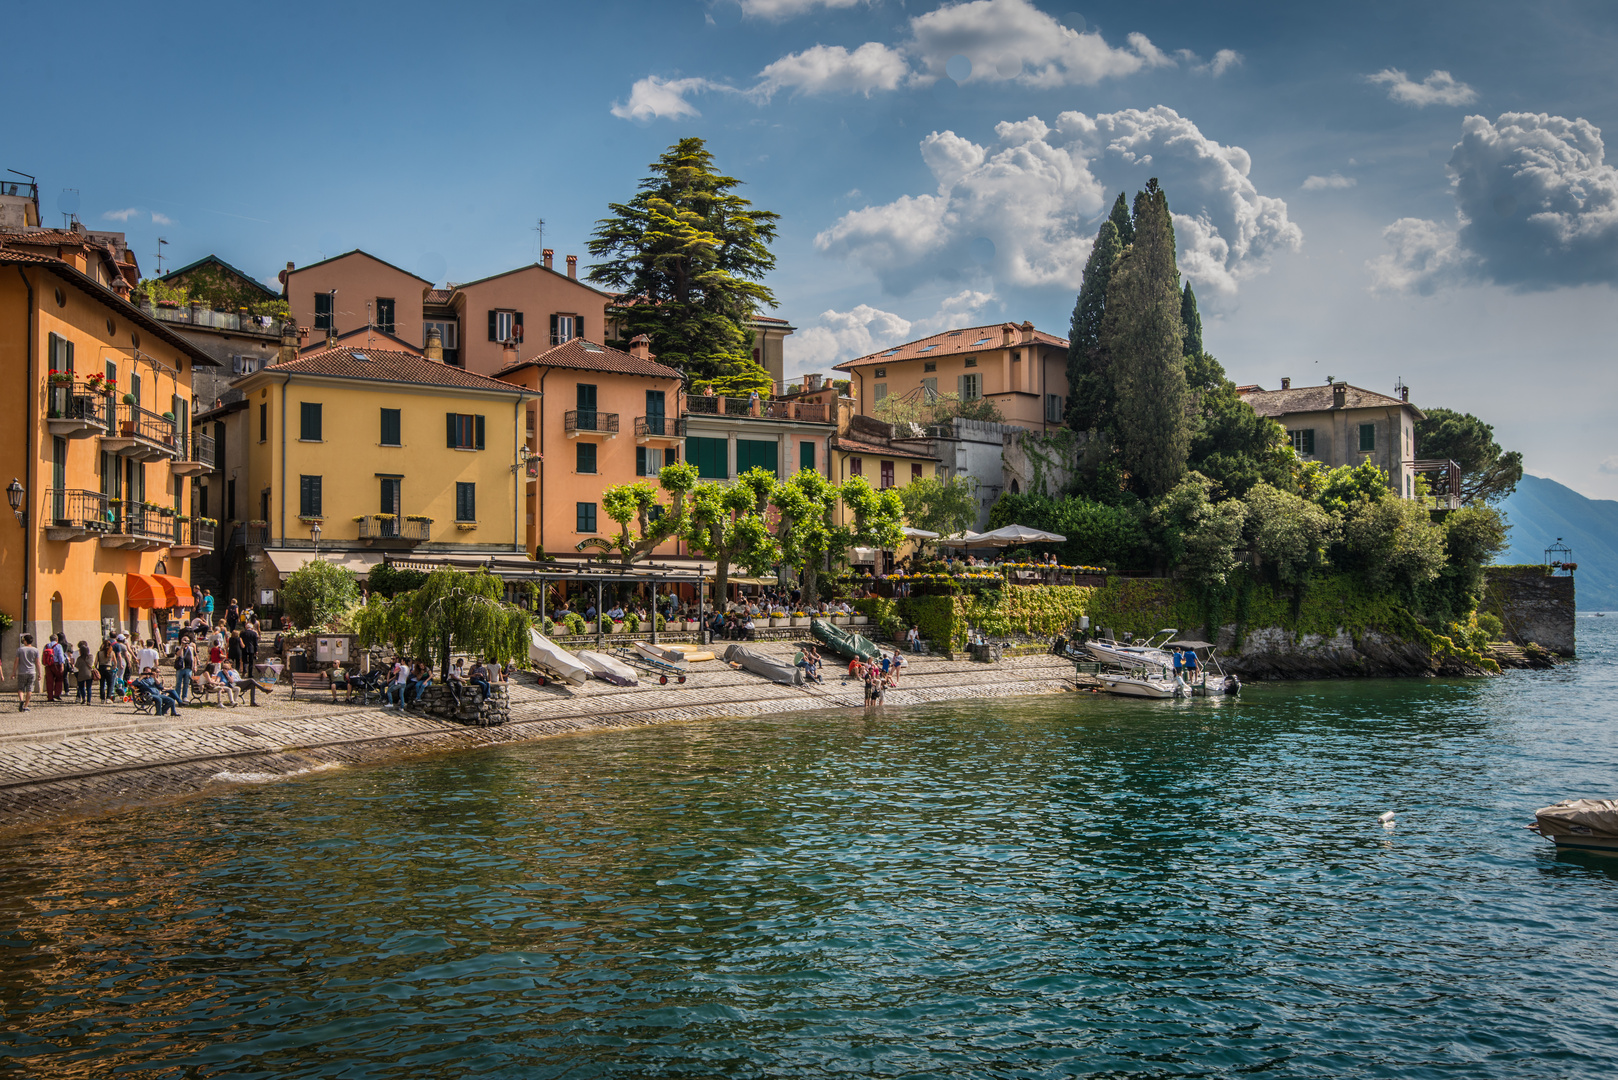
(63, 761)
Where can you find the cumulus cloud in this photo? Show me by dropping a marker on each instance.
(1326, 183)
(161, 219)
(1223, 61)
(1012, 40)
(1439, 88)
(786, 9)
(872, 66)
(654, 98)
(1035, 194)
(121, 215)
(844, 335)
(1536, 207)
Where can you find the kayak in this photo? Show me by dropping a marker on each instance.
(605, 667)
(554, 660)
(844, 642)
(691, 654)
(778, 671)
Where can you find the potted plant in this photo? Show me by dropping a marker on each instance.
(129, 399)
(631, 623)
(466, 526)
(359, 518)
(60, 378)
(419, 517)
(691, 626)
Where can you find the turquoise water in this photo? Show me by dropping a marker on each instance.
(1049, 887)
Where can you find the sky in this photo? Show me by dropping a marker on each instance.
(1376, 192)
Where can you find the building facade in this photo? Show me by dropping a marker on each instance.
(1338, 424)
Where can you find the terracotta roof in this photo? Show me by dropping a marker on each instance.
(1304, 399)
(582, 355)
(853, 446)
(436, 296)
(531, 266)
(368, 255)
(347, 338)
(383, 365)
(48, 238)
(952, 343)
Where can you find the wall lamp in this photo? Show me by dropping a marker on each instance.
(14, 496)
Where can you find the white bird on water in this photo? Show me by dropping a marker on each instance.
(1387, 819)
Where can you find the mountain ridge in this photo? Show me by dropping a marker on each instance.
(1542, 510)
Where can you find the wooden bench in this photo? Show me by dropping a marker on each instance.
(312, 680)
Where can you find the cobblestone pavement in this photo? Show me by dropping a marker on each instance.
(47, 776)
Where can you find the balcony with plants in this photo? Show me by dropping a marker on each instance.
(77, 408)
(192, 536)
(406, 531)
(142, 434)
(76, 514)
(139, 526)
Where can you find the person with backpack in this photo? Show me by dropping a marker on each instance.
(83, 673)
(51, 657)
(104, 659)
(27, 671)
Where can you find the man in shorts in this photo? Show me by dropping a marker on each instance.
(27, 671)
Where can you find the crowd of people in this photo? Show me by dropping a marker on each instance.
(406, 683)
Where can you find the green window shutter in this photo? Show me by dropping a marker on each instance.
(1367, 438)
(492, 331)
(309, 421)
(390, 428)
(757, 454)
(449, 429)
(710, 456)
(806, 457)
(1309, 440)
(584, 456)
(479, 423)
(640, 461)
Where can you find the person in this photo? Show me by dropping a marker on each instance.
(707, 391)
(479, 678)
(27, 671)
(873, 686)
(147, 656)
(420, 679)
(590, 614)
(250, 648)
(885, 663)
(167, 704)
(233, 614)
(53, 663)
(1191, 663)
(203, 684)
(855, 668)
(216, 654)
(812, 664)
(914, 637)
(748, 627)
(752, 403)
(185, 666)
(84, 666)
(238, 682)
(398, 679)
(233, 649)
(457, 679)
(207, 606)
(104, 659)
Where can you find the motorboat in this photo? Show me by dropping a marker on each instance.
(605, 667)
(1207, 677)
(777, 671)
(1149, 655)
(554, 661)
(1587, 824)
(1145, 686)
(844, 642)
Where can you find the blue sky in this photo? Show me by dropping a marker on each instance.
(1367, 191)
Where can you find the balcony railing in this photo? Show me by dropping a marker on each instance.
(391, 527)
(251, 535)
(153, 435)
(195, 315)
(197, 454)
(77, 410)
(590, 421)
(202, 449)
(73, 513)
(204, 534)
(764, 409)
(659, 427)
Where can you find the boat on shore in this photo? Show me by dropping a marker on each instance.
(1147, 656)
(554, 661)
(844, 642)
(605, 667)
(692, 654)
(657, 654)
(777, 671)
(1583, 824)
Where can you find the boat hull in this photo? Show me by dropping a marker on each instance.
(1138, 660)
(843, 642)
(774, 670)
(555, 661)
(605, 667)
(659, 655)
(692, 654)
(1141, 688)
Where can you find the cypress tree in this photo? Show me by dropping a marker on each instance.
(1193, 322)
(1121, 222)
(1145, 340)
(1089, 388)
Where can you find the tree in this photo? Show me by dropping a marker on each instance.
(1233, 445)
(1200, 535)
(1191, 319)
(876, 518)
(639, 503)
(690, 255)
(1098, 534)
(1090, 395)
(1488, 473)
(1121, 221)
(452, 610)
(917, 407)
(1144, 337)
(1288, 533)
(318, 592)
(1393, 543)
(805, 505)
(1339, 490)
(941, 506)
(726, 523)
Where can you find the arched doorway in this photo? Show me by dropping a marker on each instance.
(56, 613)
(109, 608)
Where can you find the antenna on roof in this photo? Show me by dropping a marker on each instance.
(1398, 386)
(160, 244)
(539, 230)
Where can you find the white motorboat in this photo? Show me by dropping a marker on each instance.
(555, 661)
(605, 667)
(1144, 686)
(1588, 824)
(1140, 657)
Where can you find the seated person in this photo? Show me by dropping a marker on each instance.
(204, 684)
(419, 680)
(237, 681)
(167, 704)
(457, 679)
(398, 685)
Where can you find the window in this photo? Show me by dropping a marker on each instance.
(390, 500)
(648, 461)
(929, 365)
(308, 496)
(564, 328)
(1016, 356)
(384, 314)
(584, 517)
(463, 431)
(263, 423)
(806, 456)
(584, 398)
(202, 499)
(757, 454)
(390, 427)
(915, 470)
(324, 316)
(448, 332)
(710, 456)
(61, 354)
(584, 458)
(134, 386)
(970, 387)
(880, 373)
(971, 361)
(930, 348)
(1053, 406)
(655, 405)
(881, 391)
(309, 421)
(929, 389)
(505, 326)
(1303, 440)
(887, 474)
(1367, 438)
(856, 467)
(466, 501)
(218, 448)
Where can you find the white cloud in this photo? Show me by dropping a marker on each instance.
(1609, 465)
(1536, 207)
(121, 215)
(1223, 61)
(786, 9)
(1439, 88)
(872, 66)
(654, 98)
(1325, 183)
(1036, 193)
(1013, 40)
(844, 335)
(161, 219)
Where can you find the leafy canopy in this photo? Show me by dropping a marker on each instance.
(639, 504)
(318, 592)
(1488, 473)
(941, 506)
(453, 610)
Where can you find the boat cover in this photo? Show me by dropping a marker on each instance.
(554, 660)
(844, 642)
(614, 671)
(661, 655)
(1580, 817)
(778, 671)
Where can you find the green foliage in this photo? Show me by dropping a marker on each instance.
(1121, 221)
(876, 517)
(385, 580)
(1191, 319)
(941, 506)
(452, 610)
(804, 510)
(639, 504)
(1234, 446)
(1200, 535)
(1393, 543)
(726, 523)
(1091, 400)
(1098, 534)
(1339, 490)
(1287, 533)
(692, 254)
(1488, 473)
(575, 623)
(917, 408)
(318, 592)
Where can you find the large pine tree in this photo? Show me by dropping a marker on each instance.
(1192, 320)
(1089, 400)
(1144, 337)
(1122, 222)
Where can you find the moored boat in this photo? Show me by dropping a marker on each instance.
(1149, 655)
(660, 655)
(844, 642)
(555, 661)
(605, 667)
(1143, 686)
(778, 671)
(1588, 824)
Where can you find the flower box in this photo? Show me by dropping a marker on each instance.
(691, 626)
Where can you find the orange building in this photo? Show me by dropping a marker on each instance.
(99, 445)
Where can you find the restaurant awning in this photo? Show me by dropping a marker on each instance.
(287, 560)
(148, 591)
(179, 587)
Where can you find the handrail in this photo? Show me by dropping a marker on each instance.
(202, 448)
(765, 409)
(590, 420)
(78, 400)
(668, 427)
(146, 424)
(76, 508)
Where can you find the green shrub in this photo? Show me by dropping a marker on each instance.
(319, 592)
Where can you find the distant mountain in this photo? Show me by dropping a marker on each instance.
(1540, 510)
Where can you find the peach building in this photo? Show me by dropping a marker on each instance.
(352, 291)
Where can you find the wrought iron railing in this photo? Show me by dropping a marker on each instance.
(590, 420)
(666, 427)
(202, 448)
(78, 401)
(136, 422)
(76, 508)
(393, 527)
(137, 519)
(251, 535)
(203, 534)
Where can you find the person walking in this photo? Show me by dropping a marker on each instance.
(84, 666)
(27, 671)
(185, 665)
(54, 663)
(250, 649)
(233, 649)
(233, 614)
(207, 607)
(104, 659)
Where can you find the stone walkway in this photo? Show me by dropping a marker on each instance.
(61, 770)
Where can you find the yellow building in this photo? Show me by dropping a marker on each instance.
(381, 450)
(97, 448)
(866, 447)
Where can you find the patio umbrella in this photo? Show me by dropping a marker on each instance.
(1012, 535)
(918, 534)
(967, 538)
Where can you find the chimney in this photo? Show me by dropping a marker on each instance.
(508, 353)
(1027, 329)
(1339, 394)
(550, 257)
(435, 345)
(289, 343)
(573, 267)
(811, 382)
(1286, 384)
(640, 347)
(1404, 393)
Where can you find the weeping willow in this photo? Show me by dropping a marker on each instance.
(453, 609)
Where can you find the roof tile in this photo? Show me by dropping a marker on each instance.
(386, 365)
(582, 355)
(951, 343)
(1304, 399)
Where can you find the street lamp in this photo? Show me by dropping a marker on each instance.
(14, 495)
(314, 534)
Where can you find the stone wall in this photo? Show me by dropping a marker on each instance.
(1536, 608)
(437, 702)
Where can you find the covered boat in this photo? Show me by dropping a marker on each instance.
(658, 655)
(1580, 823)
(844, 642)
(778, 671)
(605, 667)
(1148, 656)
(555, 661)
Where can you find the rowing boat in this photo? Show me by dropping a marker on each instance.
(554, 660)
(844, 642)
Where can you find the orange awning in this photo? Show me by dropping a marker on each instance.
(149, 591)
(178, 588)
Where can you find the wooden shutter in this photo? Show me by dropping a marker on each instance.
(449, 430)
(516, 327)
(553, 331)
(640, 461)
(492, 336)
(578, 326)
(479, 423)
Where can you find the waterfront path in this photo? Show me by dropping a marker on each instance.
(65, 760)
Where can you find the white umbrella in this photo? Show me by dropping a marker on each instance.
(918, 534)
(967, 538)
(1012, 535)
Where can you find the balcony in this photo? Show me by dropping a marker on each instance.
(142, 435)
(589, 422)
(392, 529)
(802, 412)
(76, 514)
(198, 315)
(138, 527)
(77, 410)
(192, 538)
(252, 534)
(198, 458)
(648, 428)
